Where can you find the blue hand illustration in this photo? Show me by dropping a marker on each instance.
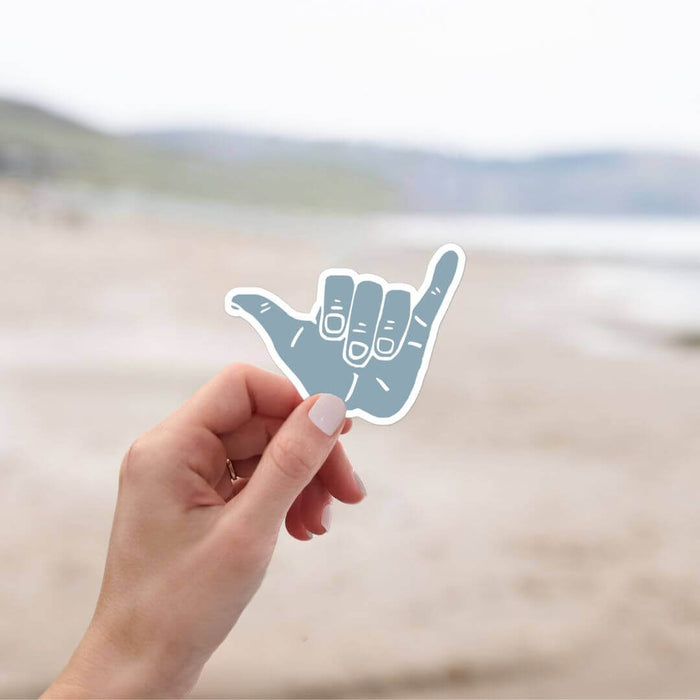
(365, 340)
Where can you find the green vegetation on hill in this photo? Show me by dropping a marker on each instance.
(287, 173)
(38, 145)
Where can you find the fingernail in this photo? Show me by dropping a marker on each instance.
(357, 350)
(385, 346)
(327, 413)
(360, 484)
(310, 535)
(334, 323)
(326, 517)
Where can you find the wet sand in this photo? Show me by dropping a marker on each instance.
(531, 526)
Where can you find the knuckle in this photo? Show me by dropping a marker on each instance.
(198, 448)
(233, 375)
(135, 460)
(164, 447)
(197, 442)
(289, 456)
(235, 371)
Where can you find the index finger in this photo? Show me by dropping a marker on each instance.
(338, 290)
(234, 395)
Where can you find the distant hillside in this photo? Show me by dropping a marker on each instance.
(595, 183)
(38, 145)
(344, 176)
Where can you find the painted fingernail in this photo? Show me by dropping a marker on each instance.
(360, 484)
(327, 413)
(326, 517)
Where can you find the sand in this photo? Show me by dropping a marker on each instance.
(531, 527)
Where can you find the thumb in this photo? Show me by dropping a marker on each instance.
(267, 313)
(291, 459)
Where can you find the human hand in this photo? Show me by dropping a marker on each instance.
(189, 546)
(364, 340)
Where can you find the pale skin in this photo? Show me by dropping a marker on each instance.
(189, 547)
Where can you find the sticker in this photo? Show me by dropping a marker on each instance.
(365, 340)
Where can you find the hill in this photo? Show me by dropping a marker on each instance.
(281, 172)
(38, 145)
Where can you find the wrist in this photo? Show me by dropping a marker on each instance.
(103, 667)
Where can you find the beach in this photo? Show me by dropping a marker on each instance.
(531, 525)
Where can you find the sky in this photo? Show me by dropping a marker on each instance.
(491, 77)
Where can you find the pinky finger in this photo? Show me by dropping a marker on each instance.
(295, 523)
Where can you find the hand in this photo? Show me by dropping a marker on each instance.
(366, 341)
(189, 547)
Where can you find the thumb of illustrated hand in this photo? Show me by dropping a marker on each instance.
(290, 461)
(263, 311)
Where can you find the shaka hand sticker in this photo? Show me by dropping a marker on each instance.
(365, 340)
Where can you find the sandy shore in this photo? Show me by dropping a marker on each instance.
(531, 527)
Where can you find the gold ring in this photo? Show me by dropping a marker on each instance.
(231, 470)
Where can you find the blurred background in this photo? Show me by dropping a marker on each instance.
(531, 527)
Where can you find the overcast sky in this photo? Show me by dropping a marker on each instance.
(490, 77)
